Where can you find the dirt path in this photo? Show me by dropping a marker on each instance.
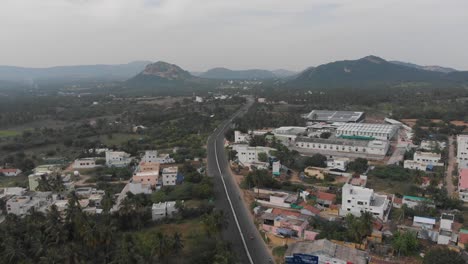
(450, 167)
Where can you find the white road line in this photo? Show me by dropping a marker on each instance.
(229, 199)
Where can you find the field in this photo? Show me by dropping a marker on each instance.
(9, 133)
(18, 181)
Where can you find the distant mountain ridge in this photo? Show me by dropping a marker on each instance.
(118, 72)
(369, 71)
(435, 68)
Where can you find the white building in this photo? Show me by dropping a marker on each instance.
(247, 154)
(163, 209)
(331, 116)
(446, 234)
(117, 159)
(240, 137)
(376, 131)
(428, 158)
(11, 191)
(338, 145)
(424, 222)
(261, 100)
(138, 187)
(10, 172)
(276, 168)
(20, 205)
(357, 199)
(150, 156)
(340, 164)
(198, 99)
(85, 163)
(288, 135)
(462, 151)
(169, 176)
(414, 165)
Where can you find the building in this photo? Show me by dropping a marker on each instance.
(10, 172)
(284, 224)
(338, 164)
(324, 251)
(152, 156)
(240, 137)
(462, 151)
(21, 205)
(247, 154)
(428, 158)
(288, 135)
(148, 166)
(276, 168)
(446, 234)
(357, 199)
(261, 100)
(163, 210)
(414, 165)
(413, 201)
(324, 199)
(138, 187)
(424, 222)
(11, 191)
(85, 163)
(117, 159)
(335, 116)
(432, 145)
(336, 146)
(146, 177)
(169, 176)
(463, 184)
(271, 198)
(198, 99)
(366, 130)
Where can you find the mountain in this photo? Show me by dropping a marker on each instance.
(227, 74)
(165, 78)
(102, 72)
(282, 73)
(427, 68)
(367, 71)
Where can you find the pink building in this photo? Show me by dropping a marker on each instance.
(463, 184)
(146, 177)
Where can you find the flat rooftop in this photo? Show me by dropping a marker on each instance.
(335, 141)
(335, 116)
(349, 128)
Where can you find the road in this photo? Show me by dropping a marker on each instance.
(450, 167)
(246, 241)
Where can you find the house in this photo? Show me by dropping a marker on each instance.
(357, 199)
(169, 176)
(146, 177)
(324, 199)
(248, 155)
(288, 225)
(152, 156)
(148, 166)
(462, 151)
(9, 172)
(463, 238)
(272, 198)
(424, 222)
(117, 159)
(414, 165)
(11, 191)
(446, 234)
(261, 100)
(163, 209)
(240, 137)
(413, 201)
(21, 205)
(463, 184)
(85, 163)
(138, 187)
(198, 99)
(324, 251)
(428, 158)
(338, 164)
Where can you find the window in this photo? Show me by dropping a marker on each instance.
(360, 203)
(349, 201)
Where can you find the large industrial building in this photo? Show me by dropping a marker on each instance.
(338, 145)
(371, 131)
(335, 116)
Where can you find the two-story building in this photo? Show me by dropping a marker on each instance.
(169, 176)
(357, 199)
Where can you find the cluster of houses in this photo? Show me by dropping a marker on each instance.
(153, 171)
(342, 136)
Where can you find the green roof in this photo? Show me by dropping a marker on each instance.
(357, 137)
(464, 231)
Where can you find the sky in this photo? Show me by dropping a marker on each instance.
(237, 34)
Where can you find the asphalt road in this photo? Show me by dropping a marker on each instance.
(246, 241)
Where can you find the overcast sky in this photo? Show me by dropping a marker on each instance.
(238, 34)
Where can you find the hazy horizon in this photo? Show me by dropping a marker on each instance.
(244, 34)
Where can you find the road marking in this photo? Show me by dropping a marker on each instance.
(229, 199)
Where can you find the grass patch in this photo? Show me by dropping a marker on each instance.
(17, 181)
(119, 138)
(279, 251)
(9, 133)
